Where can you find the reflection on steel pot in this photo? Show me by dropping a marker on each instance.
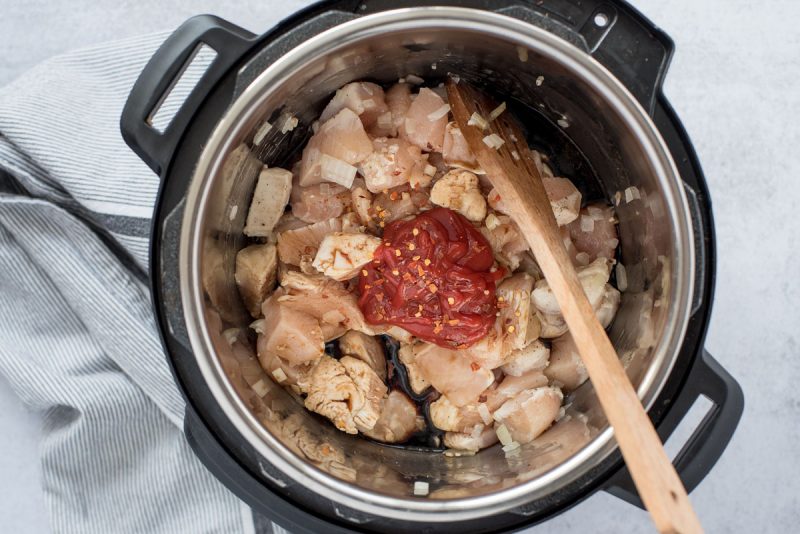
(590, 77)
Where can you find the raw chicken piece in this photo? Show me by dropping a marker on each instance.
(530, 413)
(593, 278)
(289, 375)
(458, 190)
(451, 418)
(327, 300)
(333, 394)
(608, 306)
(343, 138)
(366, 348)
(302, 243)
(394, 206)
(398, 420)
(566, 368)
(256, 271)
(425, 123)
(398, 99)
(372, 389)
(269, 201)
(533, 357)
(594, 233)
(508, 244)
(511, 386)
(341, 256)
(407, 357)
(565, 199)
(290, 334)
(390, 164)
(287, 222)
(294, 430)
(455, 149)
(365, 99)
(469, 442)
(319, 202)
(452, 374)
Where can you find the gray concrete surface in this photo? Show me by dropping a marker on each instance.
(734, 83)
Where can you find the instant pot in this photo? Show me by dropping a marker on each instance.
(591, 74)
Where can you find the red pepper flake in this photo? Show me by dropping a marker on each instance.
(395, 272)
(474, 366)
(379, 297)
(453, 322)
(420, 271)
(393, 196)
(415, 258)
(411, 246)
(427, 262)
(381, 224)
(415, 231)
(364, 272)
(397, 252)
(433, 288)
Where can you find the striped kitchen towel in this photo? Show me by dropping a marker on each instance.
(78, 340)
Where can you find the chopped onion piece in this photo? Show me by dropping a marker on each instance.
(477, 120)
(338, 171)
(493, 141)
(511, 446)
(583, 258)
(539, 81)
(289, 124)
(563, 122)
(492, 221)
(430, 170)
(496, 112)
(587, 224)
(515, 155)
(622, 277)
(439, 113)
(416, 80)
(522, 53)
(262, 132)
(504, 435)
(384, 121)
(631, 194)
(279, 375)
(258, 325)
(421, 489)
(451, 453)
(230, 335)
(476, 431)
(234, 211)
(483, 411)
(260, 388)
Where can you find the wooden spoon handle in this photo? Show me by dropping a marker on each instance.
(517, 180)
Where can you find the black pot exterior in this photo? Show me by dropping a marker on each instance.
(174, 153)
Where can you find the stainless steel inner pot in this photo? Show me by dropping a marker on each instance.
(507, 56)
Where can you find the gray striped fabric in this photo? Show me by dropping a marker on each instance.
(78, 340)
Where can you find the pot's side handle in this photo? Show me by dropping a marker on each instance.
(702, 450)
(161, 74)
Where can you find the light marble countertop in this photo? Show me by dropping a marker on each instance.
(734, 82)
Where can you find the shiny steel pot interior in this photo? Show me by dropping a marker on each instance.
(597, 114)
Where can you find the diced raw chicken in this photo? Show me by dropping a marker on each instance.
(593, 278)
(458, 190)
(553, 325)
(511, 386)
(327, 300)
(289, 375)
(365, 99)
(295, 245)
(452, 374)
(594, 233)
(341, 256)
(455, 149)
(333, 394)
(269, 201)
(290, 334)
(365, 348)
(566, 368)
(505, 237)
(390, 164)
(469, 442)
(319, 202)
(398, 421)
(565, 199)
(530, 413)
(295, 430)
(256, 272)
(425, 123)
(372, 389)
(288, 221)
(416, 379)
(341, 137)
(361, 200)
(533, 357)
(398, 99)
(452, 418)
(608, 306)
(394, 206)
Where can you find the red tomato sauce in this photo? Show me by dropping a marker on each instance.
(433, 276)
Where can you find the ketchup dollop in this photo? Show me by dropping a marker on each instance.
(433, 276)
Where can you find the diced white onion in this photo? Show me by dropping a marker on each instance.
(476, 431)
(483, 411)
(493, 141)
(230, 335)
(622, 277)
(477, 120)
(522, 53)
(631, 194)
(539, 81)
(384, 121)
(563, 122)
(338, 171)
(410, 126)
(234, 211)
(504, 435)
(439, 113)
(454, 453)
(430, 170)
(492, 221)
(583, 258)
(612, 243)
(617, 198)
(587, 224)
(416, 80)
(515, 155)
(259, 325)
(260, 388)
(289, 124)
(496, 112)
(511, 446)
(279, 375)
(262, 132)
(421, 489)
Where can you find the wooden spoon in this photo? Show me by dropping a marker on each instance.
(513, 173)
